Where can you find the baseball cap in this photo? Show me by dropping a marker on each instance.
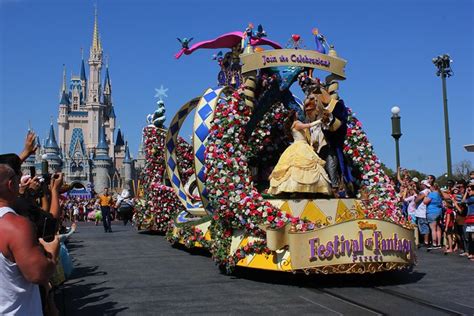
(11, 160)
(426, 183)
(415, 179)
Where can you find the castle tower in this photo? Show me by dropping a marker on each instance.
(102, 163)
(86, 150)
(93, 106)
(140, 161)
(119, 149)
(111, 123)
(107, 88)
(27, 164)
(51, 149)
(83, 79)
(109, 113)
(127, 168)
(63, 111)
(39, 150)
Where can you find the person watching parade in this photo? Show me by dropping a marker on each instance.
(25, 261)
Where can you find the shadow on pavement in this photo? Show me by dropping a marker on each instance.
(193, 251)
(75, 245)
(76, 297)
(328, 281)
(81, 272)
(151, 232)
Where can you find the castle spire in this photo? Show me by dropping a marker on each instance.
(107, 84)
(102, 140)
(83, 68)
(119, 140)
(96, 45)
(51, 141)
(64, 95)
(64, 98)
(63, 87)
(127, 158)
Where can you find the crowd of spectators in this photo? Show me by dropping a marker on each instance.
(444, 216)
(33, 256)
(34, 212)
(104, 208)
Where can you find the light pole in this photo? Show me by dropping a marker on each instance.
(396, 132)
(443, 63)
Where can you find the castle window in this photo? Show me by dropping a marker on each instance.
(74, 106)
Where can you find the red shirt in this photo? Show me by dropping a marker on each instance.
(449, 215)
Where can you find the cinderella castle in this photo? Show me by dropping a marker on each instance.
(90, 151)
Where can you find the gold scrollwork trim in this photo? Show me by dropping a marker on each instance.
(285, 262)
(358, 268)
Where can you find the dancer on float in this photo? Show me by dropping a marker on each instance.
(320, 106)
(299, 169)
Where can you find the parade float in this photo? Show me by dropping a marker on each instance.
(215, 192)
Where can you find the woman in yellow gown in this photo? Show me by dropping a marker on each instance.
(299, 169)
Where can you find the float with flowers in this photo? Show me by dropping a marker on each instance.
(279, 182)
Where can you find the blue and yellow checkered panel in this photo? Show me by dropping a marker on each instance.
(202, 125)
(170, 153)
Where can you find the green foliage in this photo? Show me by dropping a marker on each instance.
(389, 172)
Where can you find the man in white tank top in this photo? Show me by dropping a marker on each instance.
(24, 263)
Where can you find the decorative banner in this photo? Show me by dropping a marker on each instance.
(203, 119)
(172, 160)
(357, 241)
(293, 57)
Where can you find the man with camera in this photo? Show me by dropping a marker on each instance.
(25, 261)
(37, 201)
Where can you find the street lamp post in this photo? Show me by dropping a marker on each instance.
(443, 63)
(396, 132)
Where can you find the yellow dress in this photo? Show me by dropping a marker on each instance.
(299, 169)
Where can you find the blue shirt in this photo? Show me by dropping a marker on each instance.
(470, 205)
(435, 205)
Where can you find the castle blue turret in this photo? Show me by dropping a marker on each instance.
(107, 88)
(127, 158)
(51, 140)
(52, 151)
(102, 149)
(127, 168)
(102, 163)
(119, 140)
(83, 71)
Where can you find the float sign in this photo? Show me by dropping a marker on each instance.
(293, 57)
(357, 241)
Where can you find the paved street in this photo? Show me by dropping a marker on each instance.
(130, 273)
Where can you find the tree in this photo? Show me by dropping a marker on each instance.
(462, 169)
(389, 172)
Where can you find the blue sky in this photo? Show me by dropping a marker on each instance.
(388, 45)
